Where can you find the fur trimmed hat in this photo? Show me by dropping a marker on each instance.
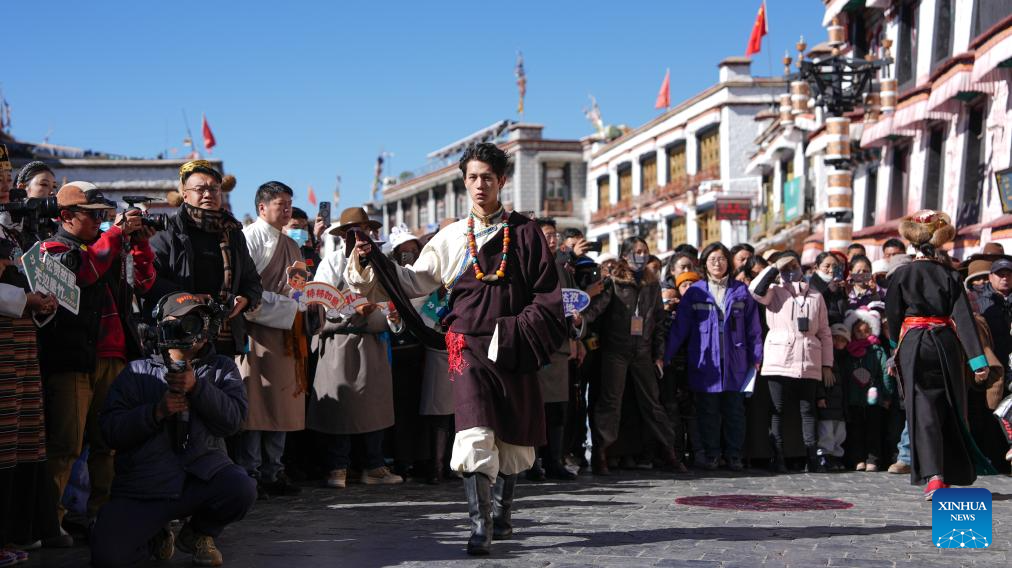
(927, 226)
(870, 317)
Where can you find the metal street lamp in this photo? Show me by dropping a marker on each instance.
(838, 84)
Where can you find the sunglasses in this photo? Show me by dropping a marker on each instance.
(97, 215)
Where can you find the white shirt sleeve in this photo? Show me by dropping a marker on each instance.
(331, 269)
(418, 279)
(275, 311)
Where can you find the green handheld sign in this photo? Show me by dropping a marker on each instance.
(48, 276)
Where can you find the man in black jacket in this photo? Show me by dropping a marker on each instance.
(203, 251)
(167, 466)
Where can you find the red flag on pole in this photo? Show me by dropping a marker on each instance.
(312, 196)
(664, 96)
(759, 29)
(208, 135)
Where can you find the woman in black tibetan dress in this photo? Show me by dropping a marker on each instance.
(927, 309)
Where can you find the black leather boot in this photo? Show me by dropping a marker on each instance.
(778, 464)
(815, 463)
(536, 473)
(502, 506)
(554, 468)
(478, 488)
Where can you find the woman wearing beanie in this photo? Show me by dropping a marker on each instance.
(798, 349)
(720, 321)
(925, 305)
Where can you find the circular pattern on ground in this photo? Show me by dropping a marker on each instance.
(764, 502)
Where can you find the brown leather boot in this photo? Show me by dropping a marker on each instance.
(599, 462)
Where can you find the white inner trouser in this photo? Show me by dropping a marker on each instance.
(477, 450)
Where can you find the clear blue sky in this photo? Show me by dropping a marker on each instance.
(305, 91)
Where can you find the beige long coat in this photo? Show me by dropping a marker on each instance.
(353, 389)
(271, 369)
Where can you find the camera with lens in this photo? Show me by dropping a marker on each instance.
(156, 221)
(186, 331)
(586, 272)
(32, 209)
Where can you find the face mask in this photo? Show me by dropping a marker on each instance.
(105, 226)
(790, 275)
(300, 236)
(638, 261)
(408, 258)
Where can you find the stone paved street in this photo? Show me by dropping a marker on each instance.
(629, 519)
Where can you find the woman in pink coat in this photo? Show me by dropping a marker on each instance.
(798, 351)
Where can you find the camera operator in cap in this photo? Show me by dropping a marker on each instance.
(203, 250)
(167, 417)
(82, 353)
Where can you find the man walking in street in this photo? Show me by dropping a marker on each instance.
(505, 323)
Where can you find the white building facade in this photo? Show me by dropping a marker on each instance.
(546, 179)
(664, 180)
(936, 142)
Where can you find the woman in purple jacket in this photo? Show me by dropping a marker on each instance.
(720, 320)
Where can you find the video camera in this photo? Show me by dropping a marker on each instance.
(32, 211)
(185, 332)
(157, 221)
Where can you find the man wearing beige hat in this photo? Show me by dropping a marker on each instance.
(352, 392)
(82, 353)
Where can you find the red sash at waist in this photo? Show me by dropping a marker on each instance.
(925, 322)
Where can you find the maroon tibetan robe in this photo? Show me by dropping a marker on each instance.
(527, 306)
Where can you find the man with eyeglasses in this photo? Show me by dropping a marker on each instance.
(81, 353)
(203, 250)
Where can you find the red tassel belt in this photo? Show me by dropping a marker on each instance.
(925, 322)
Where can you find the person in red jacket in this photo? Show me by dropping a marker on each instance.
(82, 353)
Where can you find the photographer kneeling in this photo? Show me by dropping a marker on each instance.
(167, 417)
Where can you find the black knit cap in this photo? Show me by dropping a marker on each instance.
(32, 169)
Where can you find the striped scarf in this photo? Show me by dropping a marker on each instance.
(221, 223)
